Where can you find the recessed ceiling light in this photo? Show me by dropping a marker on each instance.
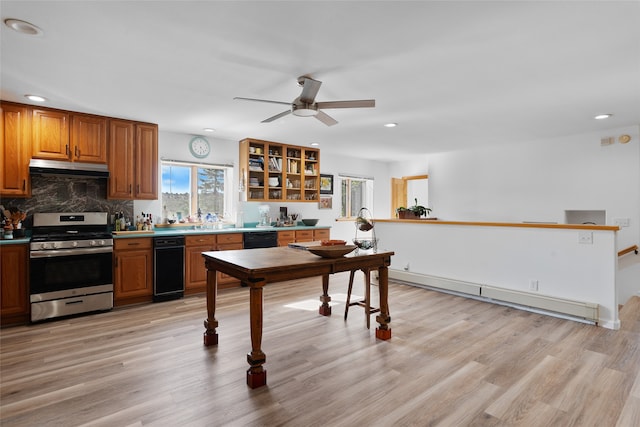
(209, 130)
(315, 144)
(390, 125)
(36, 98)
(602, 116)
(23, 27)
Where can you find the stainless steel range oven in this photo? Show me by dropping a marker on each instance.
(70, 267)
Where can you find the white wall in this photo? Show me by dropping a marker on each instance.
(538, 181)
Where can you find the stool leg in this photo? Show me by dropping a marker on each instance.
(367, 301)
(346, 306)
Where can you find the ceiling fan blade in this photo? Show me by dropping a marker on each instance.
(362, 103)
(310, 89)
(262, 100)
(326, 119)
(276, 117)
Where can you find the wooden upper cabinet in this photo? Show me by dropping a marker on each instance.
(15, 150)
(89, 138)
(146, 162)
(133, 160)
(121, 134)
(50, 131)
(60, 135)
(277, 172)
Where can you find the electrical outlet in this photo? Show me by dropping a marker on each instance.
(533, 285)
(585, 237)
(406, 267)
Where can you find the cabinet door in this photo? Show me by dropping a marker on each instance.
(15, 151)
(195, 270)
(121, 134)
(224, 280)
(50, 130)
(133, 274)
(89, 138)
(146, 162)
(14, 298)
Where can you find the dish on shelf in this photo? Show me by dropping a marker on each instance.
(331, 251)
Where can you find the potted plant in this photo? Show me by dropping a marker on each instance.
(412, 212)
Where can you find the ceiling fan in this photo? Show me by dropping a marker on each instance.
(305, 105)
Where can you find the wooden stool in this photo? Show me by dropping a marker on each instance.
(366, 302)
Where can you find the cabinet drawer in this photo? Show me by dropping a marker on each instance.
(304, 235)
(322, 234)
(286, 235)
(135, 243)
(200, 240)
(224, 239)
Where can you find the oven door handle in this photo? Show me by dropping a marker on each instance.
(68, 252)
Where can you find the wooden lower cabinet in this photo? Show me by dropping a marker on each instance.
(321, 234)
(304, 236)
(195, 270)
(14, 288)
(226, 242)
(133, 271)
(286, 237)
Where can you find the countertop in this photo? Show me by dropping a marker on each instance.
(181, 231)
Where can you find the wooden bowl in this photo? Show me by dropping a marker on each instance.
(331, 251)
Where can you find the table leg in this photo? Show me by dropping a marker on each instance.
(256, 374)
(325, 308)
(210, 324)
(383, 332)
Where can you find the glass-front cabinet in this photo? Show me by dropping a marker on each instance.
(271, 171)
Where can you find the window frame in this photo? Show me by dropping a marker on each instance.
(368, 189)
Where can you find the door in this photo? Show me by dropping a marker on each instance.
(398, 194)
(89, 138)
(121, 159)
(15, 151)
(51, 135)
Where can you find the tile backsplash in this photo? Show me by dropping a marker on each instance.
(67, 194)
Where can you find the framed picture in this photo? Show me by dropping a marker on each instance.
(326, 184)
(326, 202)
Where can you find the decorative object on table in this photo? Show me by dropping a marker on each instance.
(335, 251)
(326, 202)
(326, 184)
(365, 224)
(412, 212)
(309, 222)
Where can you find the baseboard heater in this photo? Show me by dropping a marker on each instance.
(577, 309)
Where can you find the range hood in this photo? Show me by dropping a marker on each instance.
(57, 167)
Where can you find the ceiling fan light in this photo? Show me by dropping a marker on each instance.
(305, 110)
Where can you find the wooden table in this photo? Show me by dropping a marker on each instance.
(257, 267)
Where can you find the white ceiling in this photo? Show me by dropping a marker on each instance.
(453, 74)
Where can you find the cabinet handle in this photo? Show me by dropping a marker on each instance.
(133, 244)
(138, 189)
(24, 185)
(77, 152)
(66, 150)
(130, 188)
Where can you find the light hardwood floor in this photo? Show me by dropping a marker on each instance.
(451, 362)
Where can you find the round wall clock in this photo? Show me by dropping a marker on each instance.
(199, 147)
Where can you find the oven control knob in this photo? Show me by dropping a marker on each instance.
(74, 244)
(101, 242)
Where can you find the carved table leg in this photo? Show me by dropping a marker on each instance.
(383, 332)
(325, 308)
(210, 324)
(256, 374)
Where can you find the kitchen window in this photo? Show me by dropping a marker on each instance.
(189, 188)
(357, 193)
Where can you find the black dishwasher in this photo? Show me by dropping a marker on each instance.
(260, 239)
(168, 268)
